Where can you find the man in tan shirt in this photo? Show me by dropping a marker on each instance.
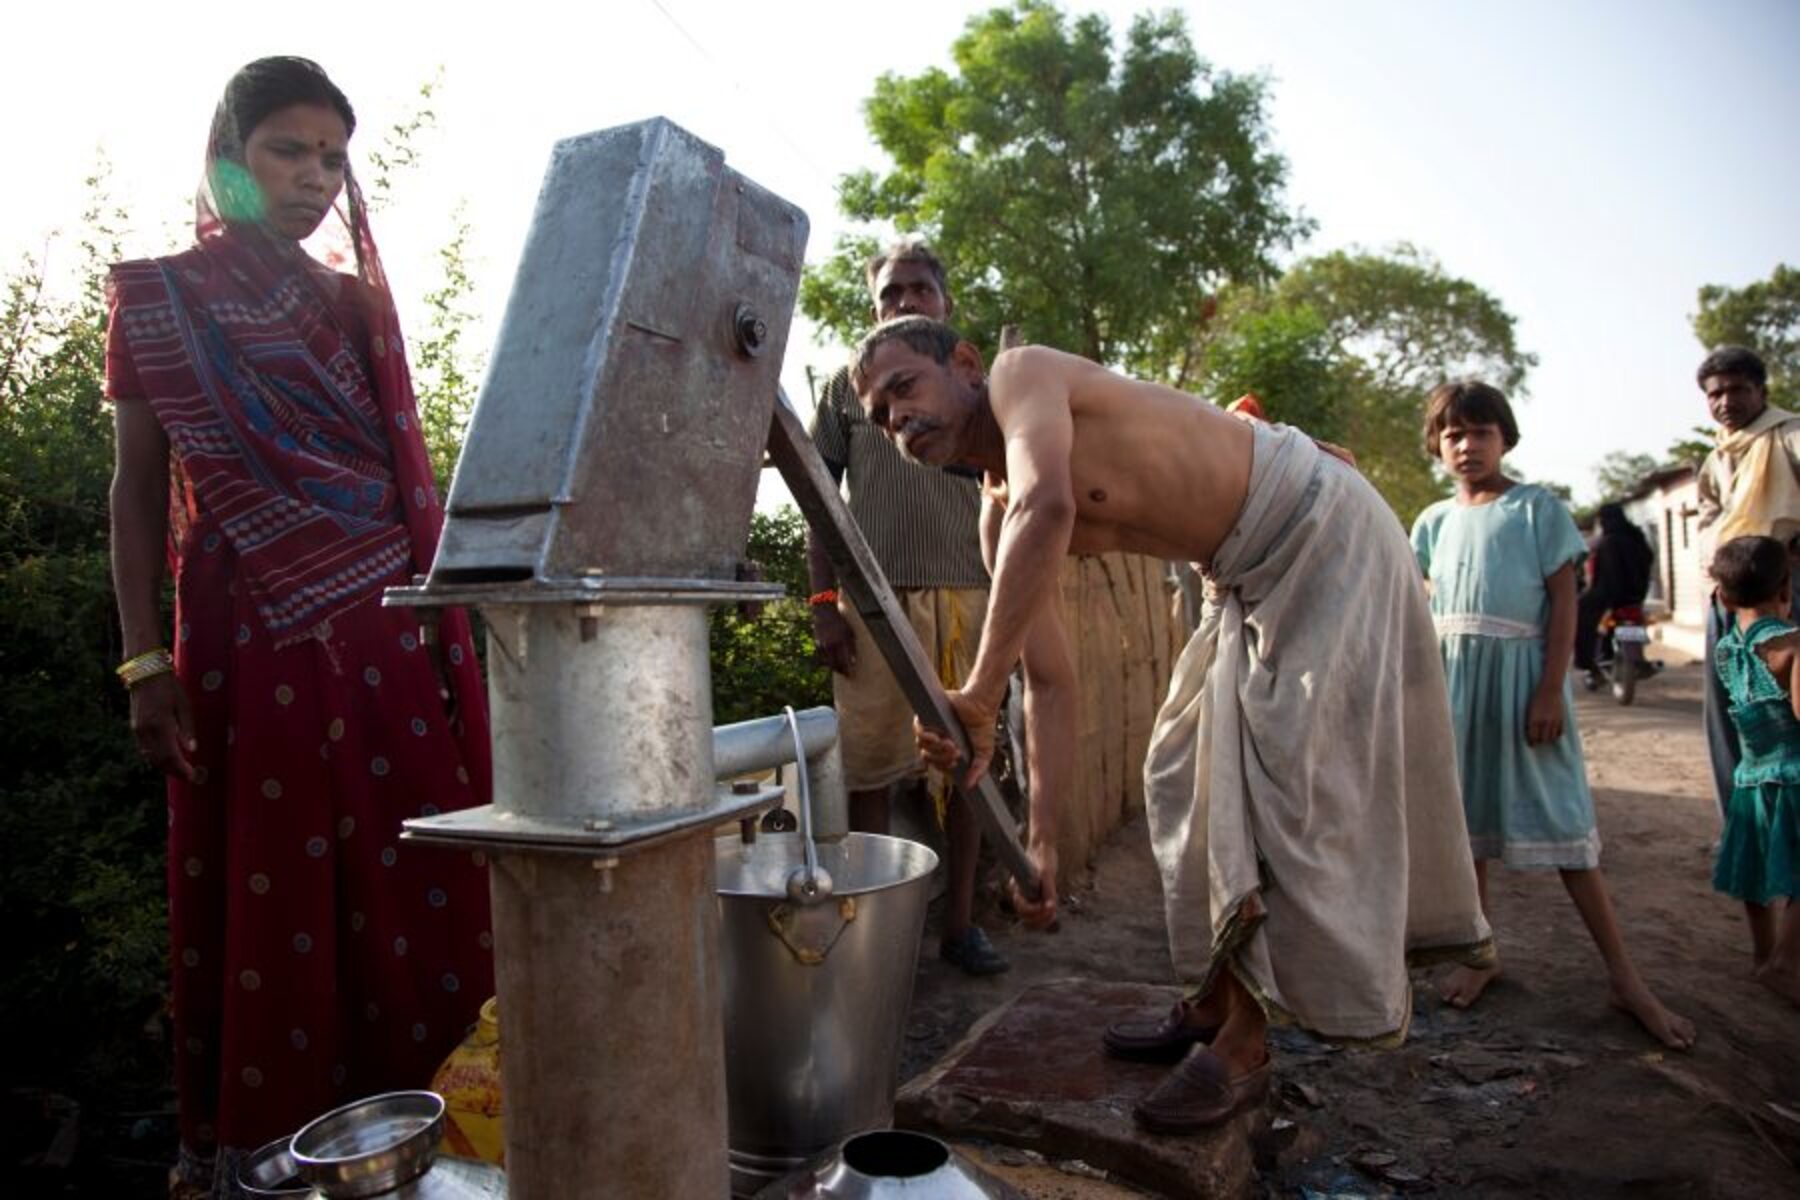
(1749, 485)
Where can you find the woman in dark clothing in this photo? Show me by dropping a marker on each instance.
(1622, 559)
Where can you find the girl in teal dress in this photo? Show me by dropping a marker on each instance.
(1758, 660)
(1501, 557)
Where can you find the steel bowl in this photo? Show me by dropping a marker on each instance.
(371, 1146)
(270, 1172)
(894, 1164)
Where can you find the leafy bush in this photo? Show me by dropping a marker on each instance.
(82, 825)
(82, 822)
(761, 663)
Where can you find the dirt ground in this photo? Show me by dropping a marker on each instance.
(1542, 1089)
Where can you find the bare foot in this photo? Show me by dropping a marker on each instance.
(1784, 983)
(1463, 986)
(1675, 1032)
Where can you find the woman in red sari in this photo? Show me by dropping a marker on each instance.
(267, 437)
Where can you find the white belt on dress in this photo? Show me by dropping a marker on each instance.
(1483, 625)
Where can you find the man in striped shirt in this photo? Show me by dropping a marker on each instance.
(921, 525)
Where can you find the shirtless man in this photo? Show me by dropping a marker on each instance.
(1079, 460)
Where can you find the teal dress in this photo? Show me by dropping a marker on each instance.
(1761, 846)
(1528, 806)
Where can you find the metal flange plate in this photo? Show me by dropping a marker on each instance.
(637, 590)
(486, 828)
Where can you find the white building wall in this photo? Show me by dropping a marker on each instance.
(1669, 517)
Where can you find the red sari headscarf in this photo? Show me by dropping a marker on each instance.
(284, 390)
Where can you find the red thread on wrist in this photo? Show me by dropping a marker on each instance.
(828, 596)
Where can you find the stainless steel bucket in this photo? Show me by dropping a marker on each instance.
(816, 992)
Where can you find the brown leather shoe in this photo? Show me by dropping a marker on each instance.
(1156, 1041)
(1200, 1093)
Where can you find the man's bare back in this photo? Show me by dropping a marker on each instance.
(1152, 470)
(1077, 460)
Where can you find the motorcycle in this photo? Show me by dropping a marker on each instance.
(1619, 658)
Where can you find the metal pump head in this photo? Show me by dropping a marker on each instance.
(620, 429)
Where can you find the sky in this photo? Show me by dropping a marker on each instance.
(1591, 165)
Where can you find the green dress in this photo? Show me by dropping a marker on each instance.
(1527, 805)
(1761, 847)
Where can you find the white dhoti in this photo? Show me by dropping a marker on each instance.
(1301, 782)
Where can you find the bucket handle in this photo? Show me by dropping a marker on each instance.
(783, 921)
(809, 883)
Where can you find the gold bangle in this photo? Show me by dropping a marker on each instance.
(147, 665)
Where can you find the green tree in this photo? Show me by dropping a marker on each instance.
(1693, 448)
(400, 149)
(447, 370)
(1097, 199)
(1764, 316)
(1285, 356)
(1347, 345)
(1408, 322)
(834, 295)
(56, 427)
(81, 820)
(1620, 471)
(763, 661)
(1561, 491)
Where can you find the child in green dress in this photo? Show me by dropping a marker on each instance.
(1758, 660)
(1500, 557)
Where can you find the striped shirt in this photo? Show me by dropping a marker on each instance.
(922, 523)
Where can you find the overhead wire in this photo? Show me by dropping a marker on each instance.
(819, 173)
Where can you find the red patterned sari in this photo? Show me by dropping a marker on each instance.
(315, 957)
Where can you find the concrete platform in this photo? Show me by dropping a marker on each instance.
(1032, 1074)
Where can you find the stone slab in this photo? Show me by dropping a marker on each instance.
(1032, 1074)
